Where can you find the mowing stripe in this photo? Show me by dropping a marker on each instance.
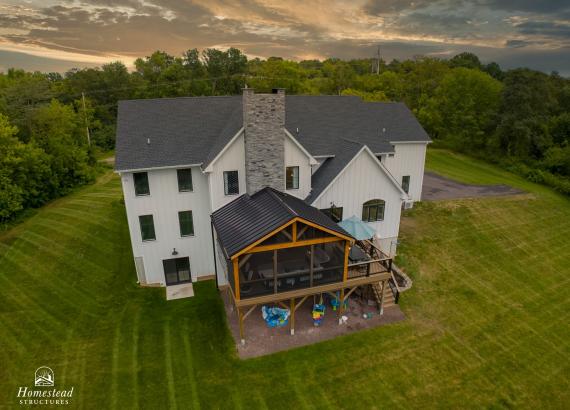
(135, 359)
(115, 363)
(190, 365)
(168, 364)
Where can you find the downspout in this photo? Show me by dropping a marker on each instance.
(214, 250)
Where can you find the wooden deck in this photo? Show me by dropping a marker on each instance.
(315, 290)
(359, 270)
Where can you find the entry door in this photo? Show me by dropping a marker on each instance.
(177, 270)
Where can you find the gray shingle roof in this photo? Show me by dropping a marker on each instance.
(346, 150)
(249, 218)
(193, 130)
(182, 131)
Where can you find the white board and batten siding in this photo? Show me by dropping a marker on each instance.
(164, 203)
(408, 159)
(231, 159)
(361, 181)
(295, 157)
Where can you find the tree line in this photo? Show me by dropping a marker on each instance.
(519, 118)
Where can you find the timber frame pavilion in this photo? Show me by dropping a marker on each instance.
(276, 249)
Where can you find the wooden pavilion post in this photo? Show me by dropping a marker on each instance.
(312, 260)
(275, 271)
(236, 278)
(344, 277)
(241, 328)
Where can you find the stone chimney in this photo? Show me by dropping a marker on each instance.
(264, 122)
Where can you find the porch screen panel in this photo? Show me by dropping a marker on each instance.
(256, 277)
(293, 268)
(329, 263)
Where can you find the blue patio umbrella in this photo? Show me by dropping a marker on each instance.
(358, 229)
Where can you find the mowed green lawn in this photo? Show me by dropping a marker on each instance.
(487, 327)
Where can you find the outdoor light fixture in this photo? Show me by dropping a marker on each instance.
(174, 251)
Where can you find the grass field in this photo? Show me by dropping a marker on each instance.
(488, 316)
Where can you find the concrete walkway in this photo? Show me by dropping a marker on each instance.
(438, 188)
(184, 290)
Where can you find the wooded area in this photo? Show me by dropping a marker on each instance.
(518, 118)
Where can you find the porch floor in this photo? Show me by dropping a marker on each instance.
(262, 340)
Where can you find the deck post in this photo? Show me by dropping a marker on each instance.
(382, 297)
(241, 329)
(292, 307)
(345, 268)
(341, 304)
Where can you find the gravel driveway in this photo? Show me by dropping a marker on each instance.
(436, 188)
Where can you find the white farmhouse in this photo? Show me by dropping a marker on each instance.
(183, 162)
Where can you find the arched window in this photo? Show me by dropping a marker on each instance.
(373, 210)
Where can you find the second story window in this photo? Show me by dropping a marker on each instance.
(292, 178)
(147, 227)
(184, 180)
(141, 183)
(406, 184)
(373, 210)
(186, 223)
(231, 183)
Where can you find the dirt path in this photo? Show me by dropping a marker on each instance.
(437, 188)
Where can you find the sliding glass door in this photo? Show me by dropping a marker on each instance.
(177, 270)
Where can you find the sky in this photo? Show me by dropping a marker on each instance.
(49, 35)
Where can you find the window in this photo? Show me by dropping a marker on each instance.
(231, 183)
(141, 183)
(335, 213)
(292, 178)
(186, 223)
(373, 210)
(147, 227)
(406, 183)
(184, 180)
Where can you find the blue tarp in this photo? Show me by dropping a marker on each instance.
(275, 316)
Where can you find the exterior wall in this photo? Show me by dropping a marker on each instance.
(362, 181)
(231, 160)
(409, 159)
(164, 203)
(294, 156)
(263, 121)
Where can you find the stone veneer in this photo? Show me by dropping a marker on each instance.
(264, 122)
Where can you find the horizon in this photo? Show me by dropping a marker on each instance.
(55, 36)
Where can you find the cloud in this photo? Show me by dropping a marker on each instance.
(545, 28)
(517, 43)
(378, 7)
(533, 6)
(104, 30)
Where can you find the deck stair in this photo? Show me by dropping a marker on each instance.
(389, 299)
